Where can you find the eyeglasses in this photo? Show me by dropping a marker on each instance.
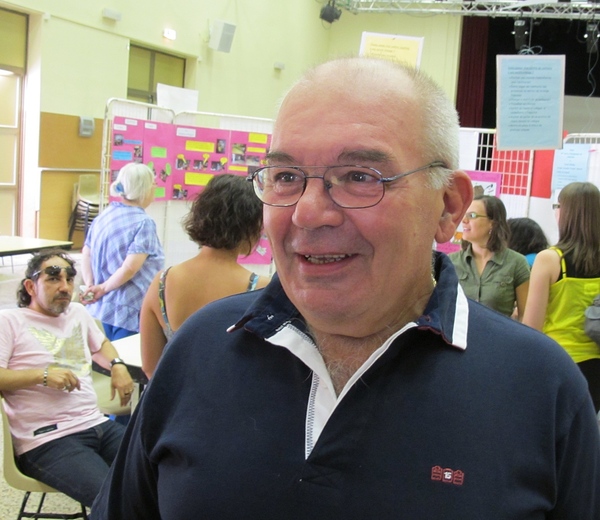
(472, 216)
(54, 271)
(351, 187)
(556, 205)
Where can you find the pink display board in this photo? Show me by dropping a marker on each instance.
(185, 158)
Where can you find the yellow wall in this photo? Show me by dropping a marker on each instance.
(77, 60)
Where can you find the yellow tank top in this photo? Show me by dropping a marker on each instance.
(567, 302)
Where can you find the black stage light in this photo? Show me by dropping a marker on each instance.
(330, 13)
(520, 31)
(591, 37)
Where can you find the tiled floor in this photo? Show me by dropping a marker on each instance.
(10, 499)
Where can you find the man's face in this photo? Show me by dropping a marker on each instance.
(354, 272)
(51, 293)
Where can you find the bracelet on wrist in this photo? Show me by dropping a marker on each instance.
(45, 380)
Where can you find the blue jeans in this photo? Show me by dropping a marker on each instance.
(113, 332)
(75, 464)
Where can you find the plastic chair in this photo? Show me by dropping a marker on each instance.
(86, 204)
(105, 405)
(20, 481)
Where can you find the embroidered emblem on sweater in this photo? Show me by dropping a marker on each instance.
(447, 475)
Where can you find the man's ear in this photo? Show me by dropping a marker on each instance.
(29, 285)
(457, 199)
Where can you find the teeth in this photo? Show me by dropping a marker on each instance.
(324, 259)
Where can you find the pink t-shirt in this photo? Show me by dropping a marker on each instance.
(29, 339)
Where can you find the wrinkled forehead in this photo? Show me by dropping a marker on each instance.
(349, 110)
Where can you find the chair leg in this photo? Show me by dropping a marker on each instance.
(23, 505)
(41, 504)
(72, 222)
(39, 515)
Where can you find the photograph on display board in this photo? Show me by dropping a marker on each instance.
(200, 154)
(484, 183)
(135, 140)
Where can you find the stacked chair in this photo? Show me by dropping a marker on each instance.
(86, 204)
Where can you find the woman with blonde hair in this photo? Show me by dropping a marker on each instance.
(566, 277)
(122, 253)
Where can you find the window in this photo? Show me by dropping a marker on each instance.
(13, 51)
(147, 68)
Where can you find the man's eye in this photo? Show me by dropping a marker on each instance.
(360, 176)
(287, 177)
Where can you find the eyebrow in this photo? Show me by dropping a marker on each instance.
(346, 157)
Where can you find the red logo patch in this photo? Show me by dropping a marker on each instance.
(447, 475)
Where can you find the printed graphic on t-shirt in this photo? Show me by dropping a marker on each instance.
(67, 352)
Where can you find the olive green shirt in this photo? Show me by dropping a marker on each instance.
(496, 287)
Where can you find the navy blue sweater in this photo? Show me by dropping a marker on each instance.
(501, 429)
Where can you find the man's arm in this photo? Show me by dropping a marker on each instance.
(130, 488)
(121, 381)
(578, 469)
(53, 377)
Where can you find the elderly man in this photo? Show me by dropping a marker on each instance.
(46, 350)
(360, 383)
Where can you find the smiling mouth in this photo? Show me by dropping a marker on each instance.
(324, 259)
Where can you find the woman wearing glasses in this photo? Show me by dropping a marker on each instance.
(122, 253)
(566, 277)
(489, 272)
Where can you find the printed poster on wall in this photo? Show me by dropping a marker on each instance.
(484, 183)
(392, 47)
(530, 100)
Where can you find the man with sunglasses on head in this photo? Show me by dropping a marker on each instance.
(360, 383)
(46, 350)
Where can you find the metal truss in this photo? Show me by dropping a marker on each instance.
(491, 8)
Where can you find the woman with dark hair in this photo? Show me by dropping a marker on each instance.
(526, 237)
(566, 277)
(489, 272)
(225, 221)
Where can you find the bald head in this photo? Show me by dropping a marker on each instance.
(383, 87)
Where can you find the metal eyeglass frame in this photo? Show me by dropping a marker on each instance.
(471, 215)
(383, 180)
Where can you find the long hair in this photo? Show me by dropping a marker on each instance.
(23, 297)
(526, 236)
(579, 226)
(496, 212)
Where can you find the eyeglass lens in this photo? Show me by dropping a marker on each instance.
(472, 215)
(54, 270)
(348, 186)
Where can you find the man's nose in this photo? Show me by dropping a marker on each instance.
(65, 284)
(316, 207)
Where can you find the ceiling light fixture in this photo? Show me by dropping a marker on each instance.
(330, 13)
(170, 34)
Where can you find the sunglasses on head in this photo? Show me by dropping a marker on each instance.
(54, 270)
